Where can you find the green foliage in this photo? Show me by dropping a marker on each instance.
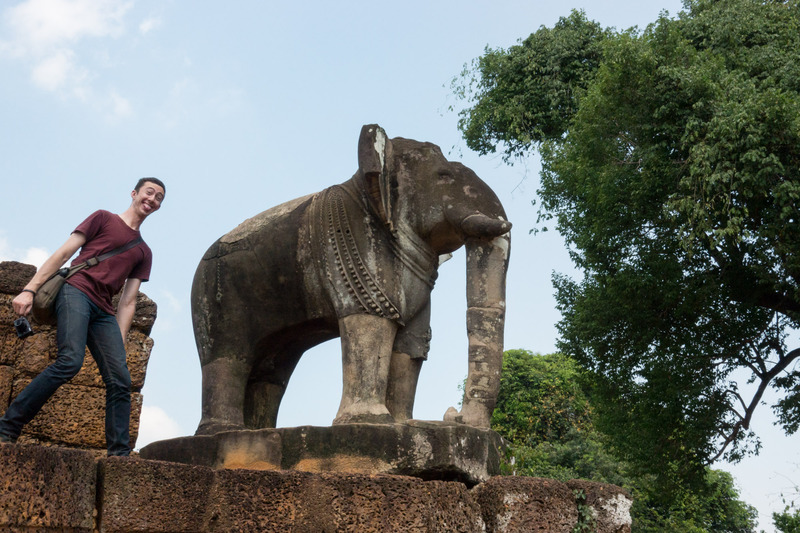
(787, 522)
(715, 507)
(545, 409)
(540, 399)
(528, 94)
(586, 521)
(672, 169)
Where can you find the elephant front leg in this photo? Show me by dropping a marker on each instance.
(224, 383)
(487, 263)
(483, 374)
(366, 354)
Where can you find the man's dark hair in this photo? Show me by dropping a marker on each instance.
(151, 180)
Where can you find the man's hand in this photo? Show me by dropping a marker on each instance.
(23, 303)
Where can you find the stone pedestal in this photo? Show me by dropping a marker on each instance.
(427, 450)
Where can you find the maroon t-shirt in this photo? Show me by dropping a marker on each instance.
(105, 231)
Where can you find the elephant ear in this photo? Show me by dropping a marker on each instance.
(373, 147)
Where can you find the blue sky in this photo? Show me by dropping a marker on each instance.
(242, 105)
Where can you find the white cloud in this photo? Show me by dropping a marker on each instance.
(42, 25)
(121, 106)
(155, 424)
(47, 34)
(174, 303)
(149, 25)
(51, 73)
(32, 256)
(35, 256)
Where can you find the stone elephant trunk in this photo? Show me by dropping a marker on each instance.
(487, 264)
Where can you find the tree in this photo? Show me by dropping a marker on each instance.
(545, 411)
(673, 174)
(529, 93)
(788, 521)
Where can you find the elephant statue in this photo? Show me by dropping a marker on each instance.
(356, 261)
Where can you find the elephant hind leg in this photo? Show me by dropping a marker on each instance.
(402, 386)
(223, 395)
(266, 387)
(261, 403)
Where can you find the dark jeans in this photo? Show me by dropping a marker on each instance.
(81, 323)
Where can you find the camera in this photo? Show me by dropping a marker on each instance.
(23, 327)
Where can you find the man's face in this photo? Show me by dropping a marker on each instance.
(148, 198)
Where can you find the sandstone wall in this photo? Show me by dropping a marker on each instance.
(75, 415)
(54, 489)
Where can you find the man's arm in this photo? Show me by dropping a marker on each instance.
(127, 306)
(23, 303)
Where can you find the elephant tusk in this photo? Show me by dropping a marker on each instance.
(479, 225)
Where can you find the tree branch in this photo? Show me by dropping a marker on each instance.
(744, 422)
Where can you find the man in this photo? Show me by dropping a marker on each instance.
(86, 316)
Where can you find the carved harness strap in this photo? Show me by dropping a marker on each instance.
(343, 259)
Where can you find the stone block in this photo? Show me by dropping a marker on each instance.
(14, 276)
(46, 489)
(6, 384)
(524, 504)
(428, 450)
(7, 315)
(304, 502)
(610, 505)
(180, 498)
(153, 496)
(34, 353)
(10, 344)
(75, 416)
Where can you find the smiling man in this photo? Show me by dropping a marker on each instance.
(86, 316)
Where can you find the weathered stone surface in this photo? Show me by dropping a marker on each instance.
(179, 498)
(46, 489)
(75, 416)
(153, 496)
(611, 505)
(14, 276)
(524, 504)
(428, 450)
(6, 383)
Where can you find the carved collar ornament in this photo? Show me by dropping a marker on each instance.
(345, 241)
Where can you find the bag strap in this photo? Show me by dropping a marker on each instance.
(66, 272)
(124, 248)
(94, 260)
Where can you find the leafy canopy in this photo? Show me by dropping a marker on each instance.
(671, 166)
